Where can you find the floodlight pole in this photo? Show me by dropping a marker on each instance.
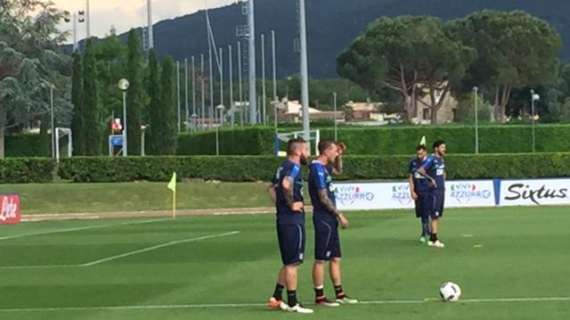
(263, 87)
(304, 72)
(533, 98)
(203, 91)
(476, 104)
(335, 123)
(125, 148)
(53, 150)
(240, 84)
(252, 72)
(231, 77)
(178, 93)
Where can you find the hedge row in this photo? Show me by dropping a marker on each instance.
(255, 168)
(390, 140)
(238, 141)
(27, 145)
(26, 170)
(362, 141)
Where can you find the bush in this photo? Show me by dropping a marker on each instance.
(27, 145)
(29, 170)
(238, 141)
(255, 168)
(391, 140)
(227, 168)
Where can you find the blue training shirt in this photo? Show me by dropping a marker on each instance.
(284, 214)
(421, 183)
(435, 168)
(320, 178)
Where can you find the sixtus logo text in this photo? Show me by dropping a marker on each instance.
(522, 191)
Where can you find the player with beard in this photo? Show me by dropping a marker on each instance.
(287, 193)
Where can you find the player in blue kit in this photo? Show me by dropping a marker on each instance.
(287, 193)
(326, 220)
(420, 191)
(433, 168)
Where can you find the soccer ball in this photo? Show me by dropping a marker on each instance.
(450, 292)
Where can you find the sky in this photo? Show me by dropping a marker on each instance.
(126, 14)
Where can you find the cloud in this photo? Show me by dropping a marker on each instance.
(127, 14)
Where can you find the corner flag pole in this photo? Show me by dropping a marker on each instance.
(172, 187)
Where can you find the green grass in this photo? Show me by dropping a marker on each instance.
(119, 197)
(524, 253)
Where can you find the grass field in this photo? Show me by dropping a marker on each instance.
(119, 197)
(224, 267)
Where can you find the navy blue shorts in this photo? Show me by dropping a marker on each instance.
(438, 202)
(423, 205)
(327, 240)
(291, 243)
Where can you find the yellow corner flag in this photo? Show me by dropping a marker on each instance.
(172, 187)
(423, 141)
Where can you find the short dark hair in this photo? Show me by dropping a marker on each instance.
(438, 143)
(324, 145)
(421, 147)
(293, 144)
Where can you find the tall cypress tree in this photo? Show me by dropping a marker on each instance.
(154, 111)
(168, 108)
(135, 94)
(92, 126)
(77, 129)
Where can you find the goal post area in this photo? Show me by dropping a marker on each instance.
(281, 140)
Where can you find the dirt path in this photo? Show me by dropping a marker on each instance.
(146, 214)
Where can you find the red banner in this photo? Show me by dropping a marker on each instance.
(10, 209)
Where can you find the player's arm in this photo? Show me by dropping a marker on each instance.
(326, 201)
(272, 193)
(288, 185)
(422, 171)
(331, 208)
(413, 193)
(338, 164)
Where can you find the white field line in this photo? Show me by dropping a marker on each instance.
(32, 234)
(261, 305)
(156, 247)
(123, 255)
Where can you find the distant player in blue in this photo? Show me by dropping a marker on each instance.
(287, 193)
(420, 191)
(433, 168)
(326, 220)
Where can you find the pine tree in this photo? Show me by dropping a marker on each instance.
(154, 111)
(92, 124)
(135, 94)
(168, 126)
(77, 129)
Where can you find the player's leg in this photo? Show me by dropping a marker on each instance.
(276, 300)
(422, 212)
(323, 238)
(336, 273)
(436, 215)
(295, 252)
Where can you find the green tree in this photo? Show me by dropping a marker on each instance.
(154, 111)
(111, 56)
(92, 124)
(514, 50)
(413, 56)
(168, 128)
(30, 63)
(136, 94)
(77, 129)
